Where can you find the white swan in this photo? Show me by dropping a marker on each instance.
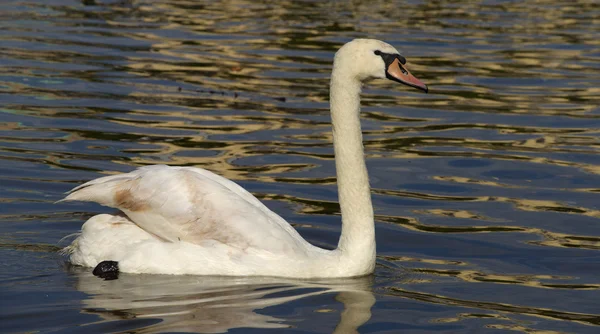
(181, 220)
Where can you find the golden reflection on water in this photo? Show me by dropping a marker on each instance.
(586, 319)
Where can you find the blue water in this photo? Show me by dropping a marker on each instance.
(485, 190)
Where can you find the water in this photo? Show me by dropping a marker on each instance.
(485, 190)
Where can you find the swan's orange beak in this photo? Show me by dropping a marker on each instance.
(400, 73)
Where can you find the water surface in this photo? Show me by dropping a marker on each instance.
(485, 190)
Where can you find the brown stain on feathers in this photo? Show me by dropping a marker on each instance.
(125, 200)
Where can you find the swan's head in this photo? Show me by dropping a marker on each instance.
(364, 59)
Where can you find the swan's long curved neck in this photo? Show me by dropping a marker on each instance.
(357, 242)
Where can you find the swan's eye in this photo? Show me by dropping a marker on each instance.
(389, 57)
(401, 59)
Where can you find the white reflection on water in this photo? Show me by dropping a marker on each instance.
(210, 304)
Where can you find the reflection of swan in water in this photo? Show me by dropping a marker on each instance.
(211, 304)
(191, 221)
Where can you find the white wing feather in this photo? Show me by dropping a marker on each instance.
(193, 205)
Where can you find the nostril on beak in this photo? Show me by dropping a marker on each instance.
(405, 72)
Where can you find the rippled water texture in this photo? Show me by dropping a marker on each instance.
(485, 190)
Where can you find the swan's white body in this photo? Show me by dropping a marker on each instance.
(181, 220)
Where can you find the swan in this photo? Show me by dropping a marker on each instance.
(184, 220)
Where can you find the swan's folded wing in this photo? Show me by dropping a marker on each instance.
(193, 205)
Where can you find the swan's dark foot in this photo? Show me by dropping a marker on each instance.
(108, 270)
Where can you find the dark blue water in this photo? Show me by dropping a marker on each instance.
(485, 190)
